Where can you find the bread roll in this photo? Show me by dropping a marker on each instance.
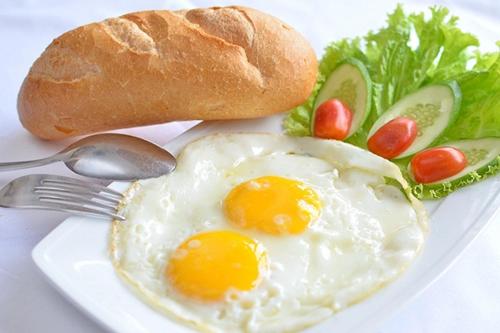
(157, 66)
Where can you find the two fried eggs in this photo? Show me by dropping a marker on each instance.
(266, 233)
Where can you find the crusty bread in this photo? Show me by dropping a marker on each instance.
(156, 66)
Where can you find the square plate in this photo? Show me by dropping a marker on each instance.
(75, 257)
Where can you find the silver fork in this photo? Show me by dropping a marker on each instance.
(64, 194)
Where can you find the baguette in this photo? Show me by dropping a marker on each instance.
(157, 66)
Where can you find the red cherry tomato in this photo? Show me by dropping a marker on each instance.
(436, 164)
(332, 120)
(393, 138)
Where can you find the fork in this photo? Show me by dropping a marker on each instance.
(49, 192)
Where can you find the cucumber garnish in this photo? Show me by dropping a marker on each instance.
(351, 84)
(433, 108)
(483, 160)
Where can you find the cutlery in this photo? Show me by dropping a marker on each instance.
(108, 156)
(49, 192)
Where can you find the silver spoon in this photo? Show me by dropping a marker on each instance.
(108, 156)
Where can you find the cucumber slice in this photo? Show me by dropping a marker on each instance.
(483, 160)
(434, 108)
(351, 84)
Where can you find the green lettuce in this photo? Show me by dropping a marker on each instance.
(412, 51)
(480, 112)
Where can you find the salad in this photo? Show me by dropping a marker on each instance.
(418, 92)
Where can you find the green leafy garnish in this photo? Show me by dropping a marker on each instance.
(412, 51)
(480, 112)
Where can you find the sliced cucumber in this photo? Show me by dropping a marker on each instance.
(433, 108)
(351, 84)
(483, 160)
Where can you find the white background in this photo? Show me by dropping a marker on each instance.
(465, 299)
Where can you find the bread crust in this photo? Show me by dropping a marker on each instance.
(157, 66)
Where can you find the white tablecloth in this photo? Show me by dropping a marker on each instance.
(465, 299)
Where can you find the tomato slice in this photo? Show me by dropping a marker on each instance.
(434, 164)
(332, 120)
(393, 138)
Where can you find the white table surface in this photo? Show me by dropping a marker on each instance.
(465, 299)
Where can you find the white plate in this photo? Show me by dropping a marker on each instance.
(75, 258)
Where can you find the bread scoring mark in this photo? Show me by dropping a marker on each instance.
(229, 24)
(128, 34)
(60, 64)
(232, 26)
(63, 129)
(245, 15)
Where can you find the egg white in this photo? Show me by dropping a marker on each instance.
(367, 234)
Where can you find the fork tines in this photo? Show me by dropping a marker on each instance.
(74, 195)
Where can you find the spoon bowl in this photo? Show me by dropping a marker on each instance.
(109, 156)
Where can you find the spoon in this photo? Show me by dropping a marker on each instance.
(108, 156)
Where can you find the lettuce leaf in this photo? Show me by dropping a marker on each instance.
(409, 52)
(480, 112)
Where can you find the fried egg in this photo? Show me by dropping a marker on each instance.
(265, 232)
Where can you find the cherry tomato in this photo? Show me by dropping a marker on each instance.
(393, 138)
(332, 120)
(436, 164)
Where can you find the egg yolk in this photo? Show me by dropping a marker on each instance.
(272, 204)
(207, 265)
